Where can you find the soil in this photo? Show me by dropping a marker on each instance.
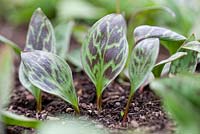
(145, 110)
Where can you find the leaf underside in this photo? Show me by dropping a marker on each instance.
(145, 31)
(104, 52)
(51, 74)
(143, 59)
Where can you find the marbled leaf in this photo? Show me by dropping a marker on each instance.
(187, 63)
(51, 74)
(143, 59)
(40, 34)
(145, 31)
(159, 66)
(105, 50)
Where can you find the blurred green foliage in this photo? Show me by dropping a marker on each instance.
(19, 11)
(180, 96)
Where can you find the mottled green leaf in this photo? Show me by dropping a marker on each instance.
(105, 50)
(145, 31)
(143, 59)
(51, 74)
(187, 63)
(63, 35)
(6, 74)
(159, 66)
(74, 57)
(40, 34)
(181, 98)
(13, 45)
(19, 120)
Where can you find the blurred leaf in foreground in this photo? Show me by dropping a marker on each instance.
(181, 98)
(19, 120)
(72, 126)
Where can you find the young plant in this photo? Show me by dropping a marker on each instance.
(143, 59)
(105, 51)
(40, 37)
(144, 55)
(51, 74)
(43, 70)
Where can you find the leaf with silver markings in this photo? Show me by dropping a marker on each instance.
(105, 51)
(51, 74)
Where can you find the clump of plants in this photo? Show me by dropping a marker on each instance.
(105, 51)
(41, 69)
(104, 55)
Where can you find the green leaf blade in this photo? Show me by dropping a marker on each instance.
(13, 45)
(143, 59)
(51, 74)
(6, 74)
(19, 120)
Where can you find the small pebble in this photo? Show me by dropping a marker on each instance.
(134, 124)
(136, 108)
(117, 104)
(69, 110)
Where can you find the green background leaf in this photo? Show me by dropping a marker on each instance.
(63, 35)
